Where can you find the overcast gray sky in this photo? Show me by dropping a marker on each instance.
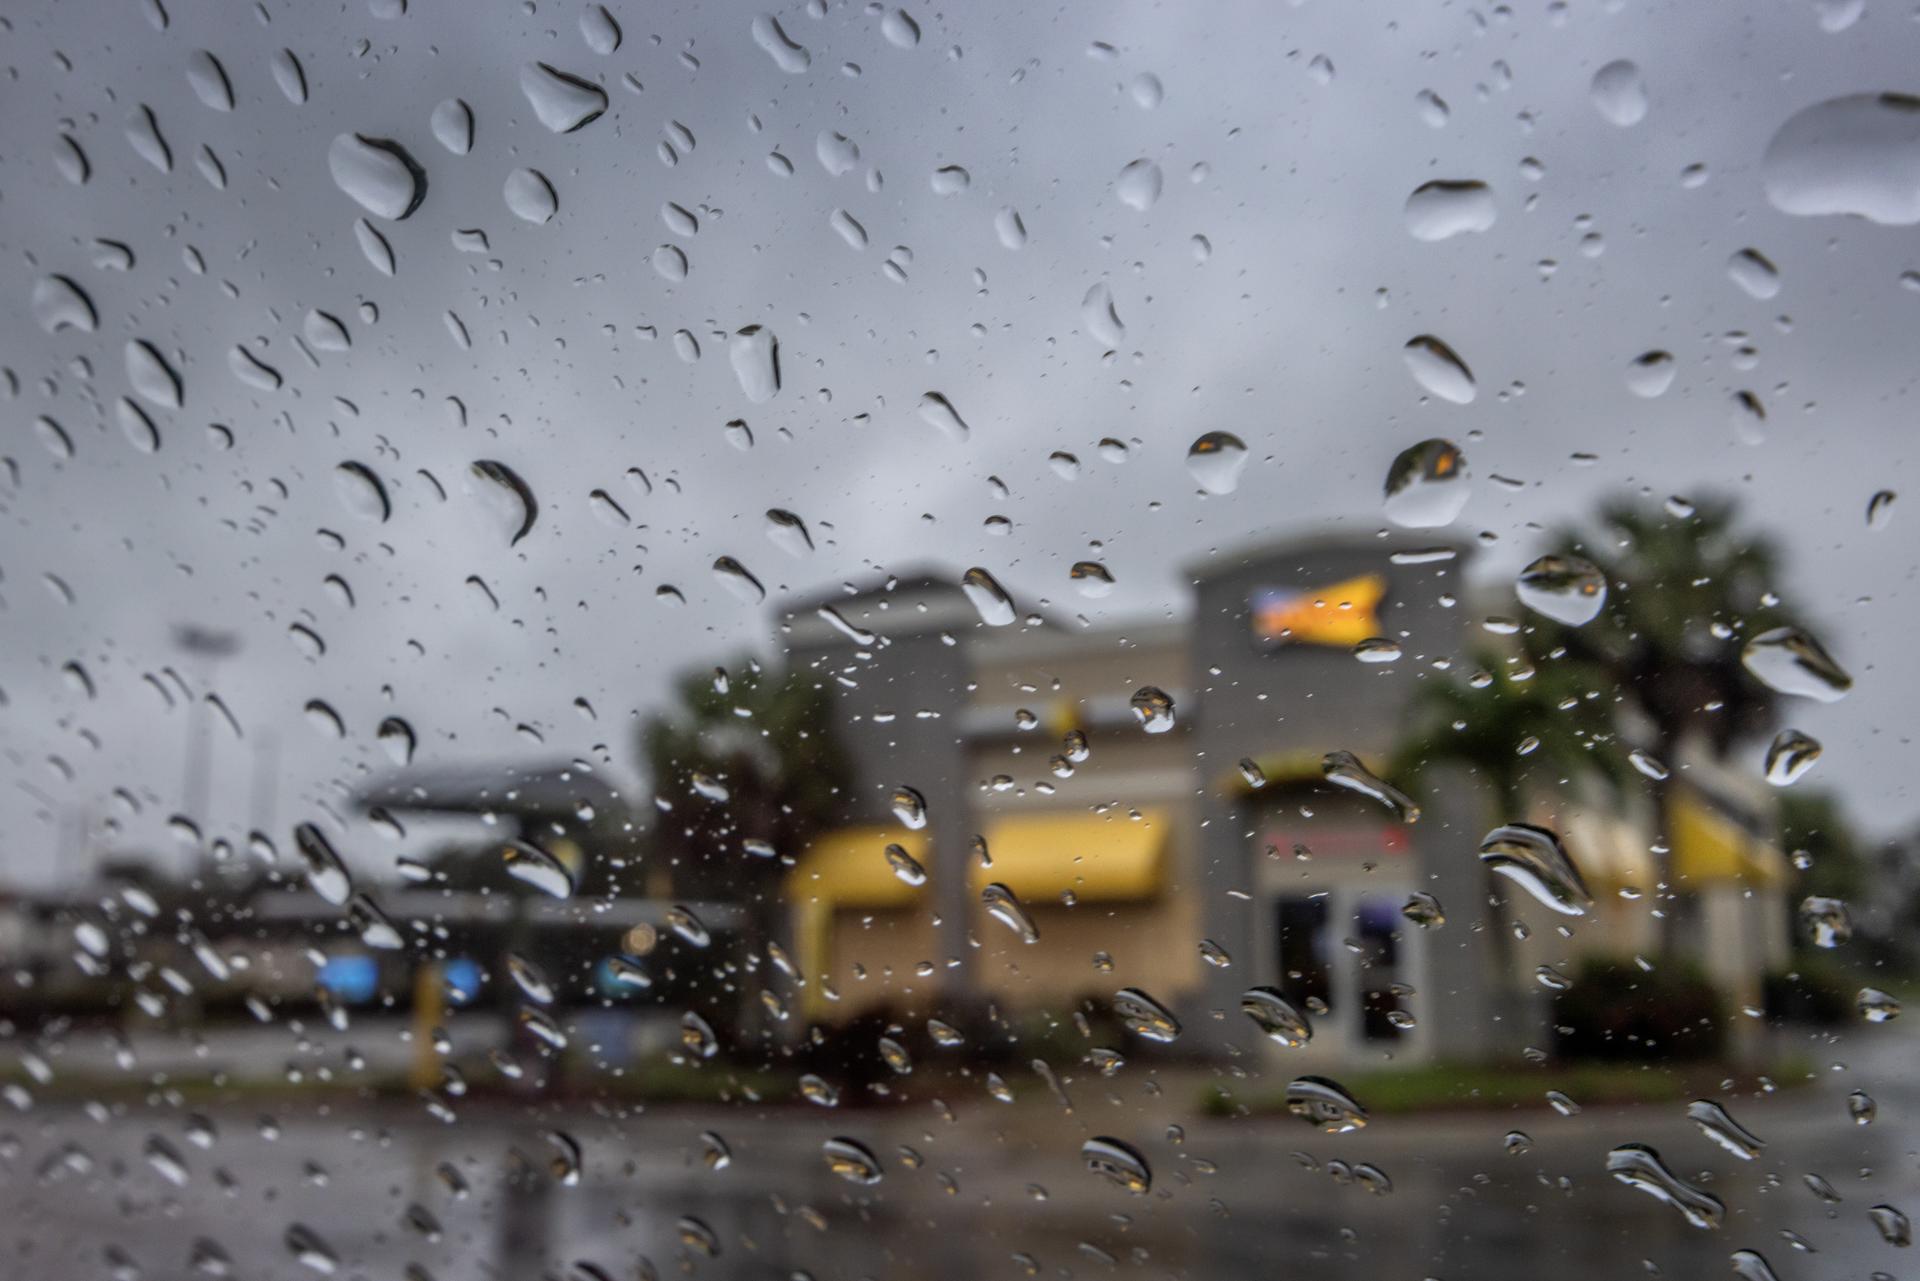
(1289, 137)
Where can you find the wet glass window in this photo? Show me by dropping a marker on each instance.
(843, 639)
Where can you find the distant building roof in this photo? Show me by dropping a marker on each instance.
(537, 790)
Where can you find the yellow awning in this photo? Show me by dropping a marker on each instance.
(1040, 856)
(1709, 847)
(849, 868)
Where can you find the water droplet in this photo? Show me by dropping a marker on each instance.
(531, 865)
(1145, 1017)
(1861, 1107)
(910, 808)
(396, 736)
(1639, 1166)
(697, 1036)
(1215, 461)
(1790, 756)
(755, 356)
(772, 37)
(1619, 94)
(1010, 229)
(1278, 1019)
(714, 1151)
(1790, 661)
(1751, 1265)
(60, 304)
(325, 332)
(837, 153)
(1723, 1129)
(1343, 769)
(452, 124)
(988, 597)
(1091, 578)
(1880, 509)
(937, 411)
(71, 160)
(326, 873)
(1004, 907)
(1650, 374)
(1442, 208)
(152, 377)
(1424, 910)
(1433, 108)
(562, 102)
(851, 1160)
(599, 29)
(505, 496)
(143, 135)
(530, 196)
(378, 173)
(950, 180)
(1827, 921)
(1427, 485)
(1100, 318)
(1533, 858)
(905, 866)
(818, 1091)
(1754, 273)
(1138, 185)
(1118, 1163)
(374, 247)
(1152, 709)
(1325, 1105)
(1876, 1006)
(1895, 1229)
(901, 31)
(1858, 154)
(848, 228)
(738, 580)
(361, 492)
(1567, 589)
(310, 1250)
(289, 75)
(374, 927)
(1439, 371)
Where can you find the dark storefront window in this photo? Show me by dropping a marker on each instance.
(1301, 924)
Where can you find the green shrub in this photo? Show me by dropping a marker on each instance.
(1617, 1011)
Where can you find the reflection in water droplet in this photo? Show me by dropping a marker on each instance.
(1439, 370)
(396, 736)
(1277, 1018)
(1639, 1166)
(1424, 910)
(1427, 485)
(1790, 756)
(1876, 1006)
(1091, 578)
(689, 927)
(988, 597)
(562, 102)
(1861, 1107)
(1343, 769)
(1895, 1228)
(1152, 709)
(1004, 907)
(910, 808)
(1325, 1105)
(378, 173)
(1118, 1163)
(1751, 1265)
(1619, 94)
(1566, 589)
(1790, 661)
(310, 1250)
(531, 865)
(1145, 1017)
(851, 1160)
(697, 1036)
(1858, 154)
(906, 867)
(1533, 858)
(326, 873)
(1441, 209)
(1722, 1129)
(1827, 921)
(1215, 461)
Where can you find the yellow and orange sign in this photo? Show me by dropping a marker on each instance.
(1343, 614)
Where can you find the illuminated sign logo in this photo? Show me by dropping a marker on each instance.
(1342, 615)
